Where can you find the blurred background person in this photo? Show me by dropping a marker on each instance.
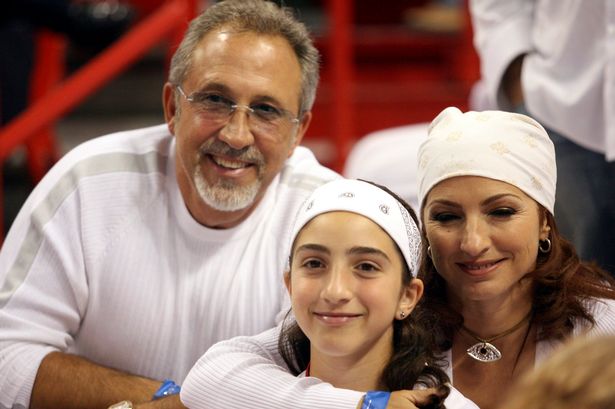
(556, 60)
(580, 375)
(388, 156)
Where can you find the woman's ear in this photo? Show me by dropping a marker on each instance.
(410, 296)
(287, 281)
(545, 229)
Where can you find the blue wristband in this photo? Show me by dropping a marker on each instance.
(376, 400)
(167, 388)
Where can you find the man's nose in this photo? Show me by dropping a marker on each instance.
(236, 132)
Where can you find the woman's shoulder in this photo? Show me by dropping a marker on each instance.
(603, 311)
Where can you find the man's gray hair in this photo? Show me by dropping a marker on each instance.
(258, 16)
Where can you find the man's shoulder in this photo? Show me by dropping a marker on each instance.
(117, 150)
(135, 140)
(303, 171)
(138, 152)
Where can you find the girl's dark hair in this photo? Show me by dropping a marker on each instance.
(564, 288)
(413, 361)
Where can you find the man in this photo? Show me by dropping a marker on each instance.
(556, 61)
(141, 249)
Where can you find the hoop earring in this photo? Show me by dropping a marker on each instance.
(429, 252)
(544, 246)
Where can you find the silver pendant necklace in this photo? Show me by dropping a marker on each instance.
(484, 350)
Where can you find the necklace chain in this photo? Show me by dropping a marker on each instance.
(484, 350)
(501, 334)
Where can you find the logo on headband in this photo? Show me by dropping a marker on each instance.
(384, 209)
(347, 194)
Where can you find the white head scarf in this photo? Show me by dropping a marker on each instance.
(370, 201)
(504, 146)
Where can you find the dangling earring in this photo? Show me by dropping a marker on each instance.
(402, 315)
(544, 246)
(429, 252)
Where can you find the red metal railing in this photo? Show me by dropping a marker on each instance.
(169, 20)
(47, 72)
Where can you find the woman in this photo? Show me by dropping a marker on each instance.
(352, 282)
(507, 288)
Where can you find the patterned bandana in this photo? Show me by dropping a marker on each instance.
(504, 146)
(370, 201)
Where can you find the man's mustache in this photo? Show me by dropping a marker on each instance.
(248, 154)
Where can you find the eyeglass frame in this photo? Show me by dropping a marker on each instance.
(232, 108)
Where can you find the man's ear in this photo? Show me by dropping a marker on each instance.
(169, 106)
(302, 128)
(410, 296)
(287, 282)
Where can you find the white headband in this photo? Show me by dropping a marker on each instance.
(504, 146)
(370, 201)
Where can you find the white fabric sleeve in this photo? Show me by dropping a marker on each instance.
(43, 293)
(502, 31)
(248, 372)
(455, 400)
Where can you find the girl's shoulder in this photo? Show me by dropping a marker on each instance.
(455, 400)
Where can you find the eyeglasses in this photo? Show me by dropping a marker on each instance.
(262, 117)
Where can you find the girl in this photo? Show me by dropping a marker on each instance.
(353, 287)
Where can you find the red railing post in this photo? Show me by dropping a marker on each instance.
(342, 74)
(47, 73)
(192, 8)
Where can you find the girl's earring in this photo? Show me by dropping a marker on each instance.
(402, 315)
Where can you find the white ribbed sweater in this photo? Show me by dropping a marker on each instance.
(248, 372)
(105, 261)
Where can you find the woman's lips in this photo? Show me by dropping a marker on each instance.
(479, 268)
(336, 318)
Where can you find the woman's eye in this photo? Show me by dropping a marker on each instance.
(503, 212)
(444, 217)
(312, 264)
(366, 267)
